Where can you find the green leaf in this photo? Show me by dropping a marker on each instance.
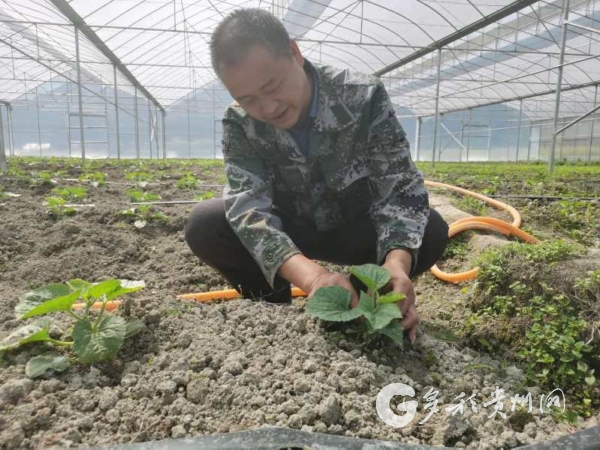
(332, 303)
(391, 297)
(394, 331)
(133, 328)
(125, 287)
(63, 303)
(384, 314)
(31, 299)
(99, 290)
(94, 345)
(38, 365)
(114, 288)
(34, 332)
(372, 275)
(581, 366)
(590, 380)
(366, 305)
(78, 284)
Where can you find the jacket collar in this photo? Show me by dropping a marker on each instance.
(332, 112)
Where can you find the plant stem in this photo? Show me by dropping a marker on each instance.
(100, 314)
(74, 316)
(61, 343)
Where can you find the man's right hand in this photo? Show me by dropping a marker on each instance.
(310, 276)
(326, 279)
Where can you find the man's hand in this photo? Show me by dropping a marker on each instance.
(398, 262)
(334, 279)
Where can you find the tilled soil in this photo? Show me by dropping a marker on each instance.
(215, 368)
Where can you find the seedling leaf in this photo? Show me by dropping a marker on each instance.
(31, 299)
(365, 304)
(384, 314)
(391, 297)
(372, 275)
(63, 303)
(103, 288)
(38, 365)
(98, 344)
(37, 331)
(78, 284)
(394, 331)
(133, 328)
(332, 303)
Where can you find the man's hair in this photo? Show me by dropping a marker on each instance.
(241, 30)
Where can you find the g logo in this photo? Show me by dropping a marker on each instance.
(383, 405)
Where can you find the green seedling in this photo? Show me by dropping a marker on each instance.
(142, 215)
(70, 193)
(96, 179)
(205, 196)
(138, 195)
(187, 181)
(93, 339)
(57, 208)
(140, 178)
(380, 311)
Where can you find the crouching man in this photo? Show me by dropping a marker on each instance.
(318, 168)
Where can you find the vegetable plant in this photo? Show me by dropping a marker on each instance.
(380, 310)
(142, 215)
(138, 195)
(94, 339)
(205, 196)
(139, 177)
(187, 181)
(70, 193)
(96, 179)
(56, 208)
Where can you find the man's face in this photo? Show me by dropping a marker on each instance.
(272, 89)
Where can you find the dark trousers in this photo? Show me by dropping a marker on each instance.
(213, 241)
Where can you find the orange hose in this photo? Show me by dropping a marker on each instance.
(110, 306)
(480, 223)
(227, 294)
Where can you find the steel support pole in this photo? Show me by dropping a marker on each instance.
(3, 165)
(118, 126)
(37, 107)
(529, 141)
(469, 133)
(189, 131)
(440, 140)
(137, 125)
(437, 106)
(150, 129)
(592, 127)
(11, 141)
(418, 139)
(567, 7)
(79, 97)
(164, 135)
(519, 130)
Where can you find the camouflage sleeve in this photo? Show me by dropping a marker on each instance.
(248, 203)
(400, 208)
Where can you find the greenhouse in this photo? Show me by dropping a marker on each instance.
(150, 224)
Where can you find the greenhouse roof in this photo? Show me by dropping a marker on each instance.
(486, 51)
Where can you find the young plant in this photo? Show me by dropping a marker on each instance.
(187, 181)
(94, 339)
(205, 196)
(142, 215)
(140, 178)
(57, 208)
(138, 195)
(70, 193)
(96, 179)
(380, 311)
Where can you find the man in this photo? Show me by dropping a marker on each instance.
(318, 168)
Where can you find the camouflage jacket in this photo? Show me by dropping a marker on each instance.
(359, 163)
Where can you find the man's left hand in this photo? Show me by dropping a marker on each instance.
(398, 263)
